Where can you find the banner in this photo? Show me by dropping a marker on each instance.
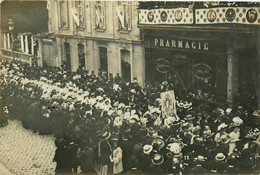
(121, 15)
(168, 104)
(75, 15)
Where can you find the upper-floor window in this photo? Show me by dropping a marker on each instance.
(63, 9)
(99, 14)
(123, 12)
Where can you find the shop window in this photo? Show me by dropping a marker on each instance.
(123, 12)
(125, 65)
(103, 58)
(67, 61)
(99, 15)
(63, 9)
(81, 56)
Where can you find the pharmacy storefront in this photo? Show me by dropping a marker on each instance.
(191, 61)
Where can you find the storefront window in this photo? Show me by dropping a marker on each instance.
(186, 72)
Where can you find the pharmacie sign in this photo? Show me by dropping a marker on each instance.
(178, 43)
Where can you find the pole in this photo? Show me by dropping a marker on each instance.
(12, 39)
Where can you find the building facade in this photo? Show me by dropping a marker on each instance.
(210, 48)
(95, 35)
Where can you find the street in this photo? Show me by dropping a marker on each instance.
(23, 152)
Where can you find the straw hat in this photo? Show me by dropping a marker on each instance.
(147, 149)
(220, 157)
(157, 159)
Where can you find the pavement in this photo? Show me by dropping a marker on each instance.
(4, 171)
(23, 152)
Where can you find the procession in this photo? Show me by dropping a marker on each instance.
(109, 126)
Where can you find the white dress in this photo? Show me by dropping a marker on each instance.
(234, 137)
(117, 160)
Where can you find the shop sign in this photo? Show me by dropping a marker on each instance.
(192, 44)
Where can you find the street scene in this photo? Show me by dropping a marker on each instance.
(129, 87)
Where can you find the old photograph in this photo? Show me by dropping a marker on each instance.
(91, 87)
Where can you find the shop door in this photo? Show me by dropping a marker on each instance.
(247, 72)
(103, 59)
(125, 65)
(67, 56)
(81, 56)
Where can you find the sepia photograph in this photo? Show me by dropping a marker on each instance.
(129, 87)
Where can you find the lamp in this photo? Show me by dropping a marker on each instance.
(11, 25)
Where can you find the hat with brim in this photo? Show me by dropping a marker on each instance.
(220, 157)
(189, 117)
(158, 159)
(104, 135)
(147, 149)
(200, 159)
(159, 142)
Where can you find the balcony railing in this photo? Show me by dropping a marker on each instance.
(9, 54)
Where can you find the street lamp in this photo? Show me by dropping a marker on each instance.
(11, 31)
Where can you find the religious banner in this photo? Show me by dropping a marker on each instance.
(168, 104)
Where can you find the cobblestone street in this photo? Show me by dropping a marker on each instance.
(23, 152)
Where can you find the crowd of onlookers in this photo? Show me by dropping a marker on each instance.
(105, 125)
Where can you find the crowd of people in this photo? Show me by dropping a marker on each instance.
(105, 125)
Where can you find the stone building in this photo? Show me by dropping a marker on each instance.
(95, 35)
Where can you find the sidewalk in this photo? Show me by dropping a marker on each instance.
(4, 171)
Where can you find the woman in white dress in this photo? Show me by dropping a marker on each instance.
(234, 137)
(116, 158)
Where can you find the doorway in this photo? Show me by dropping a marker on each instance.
(81, 56)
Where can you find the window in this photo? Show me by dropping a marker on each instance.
(103, 58)
(81, 56)
(123, 12)
(99, 14)
(67, 56)
(125, 65)
(63, 9)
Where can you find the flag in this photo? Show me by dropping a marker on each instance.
(48, 5)
(121, 15)
(98, 16)
(75, 15)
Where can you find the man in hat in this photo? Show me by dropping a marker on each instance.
(198, 169)
(104, 152)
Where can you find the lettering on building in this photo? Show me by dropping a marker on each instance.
(180, 44)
